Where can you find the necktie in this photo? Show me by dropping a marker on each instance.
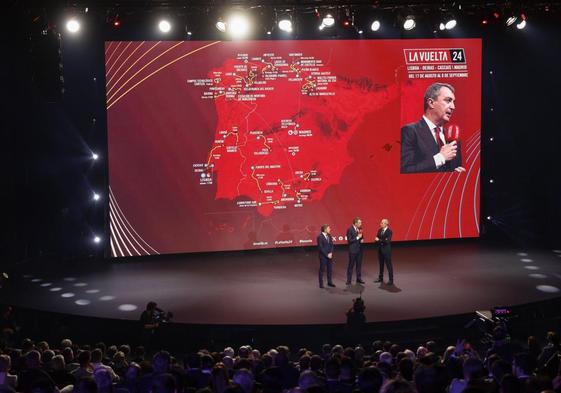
(437, 136)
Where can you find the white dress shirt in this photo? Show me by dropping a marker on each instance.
(439, 159)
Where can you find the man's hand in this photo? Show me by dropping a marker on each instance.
(377, 239)
(359, 236)
(449, 150)
(330, 255)
(460, 169)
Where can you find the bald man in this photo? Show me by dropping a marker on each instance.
(384, 240)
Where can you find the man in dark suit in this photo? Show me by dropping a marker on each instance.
(325, 248)
(424, 147)
(384, 240)
(354, 239)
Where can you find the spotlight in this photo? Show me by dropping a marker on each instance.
(94, 156)
(489, 218)
(375, 26)
(451, 24)
(409, 23)
(285, 24)
(221, 25)
(360, 32)
(116, 21)
(328, 20)
(511, 19)
(522, 24)
(269, 32)
(164, 26)
(441, 26)
(238, 26)
(96, 196)
(491, 139)
(97, 239)
(73, 26)
(491, 181)
(189, 33)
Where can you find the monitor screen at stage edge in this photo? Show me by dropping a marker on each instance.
(235, 145)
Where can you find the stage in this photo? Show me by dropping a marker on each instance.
(279, 287)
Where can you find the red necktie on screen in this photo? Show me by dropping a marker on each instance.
(437, 136)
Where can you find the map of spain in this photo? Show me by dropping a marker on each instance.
(283, 127)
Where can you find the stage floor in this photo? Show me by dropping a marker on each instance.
(280, 286)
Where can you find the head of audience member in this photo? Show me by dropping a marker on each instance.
(271, 380)
(164, 383)
(308, 379)
(421, 352)
(370, 380)
(348, 370)
(84, 359)
(229, 351)
(228, 362)
(161, 362)
(523, 365)
(58, 363)
(133, 372)
(386, 357)
(473, 369)
(304, 362)
(244, 379)
(398, 386)
(333, 369)
(5, 363)
(552, 338)
(97, 356)
(219, 380)
(406, 367)
(316, 363)
(33, 360)
(244, 351)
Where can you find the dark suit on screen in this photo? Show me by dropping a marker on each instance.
(355, 254)
(385, 252)
(418, 148)
(325, 246)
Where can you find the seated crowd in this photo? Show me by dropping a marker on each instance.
(383, 368)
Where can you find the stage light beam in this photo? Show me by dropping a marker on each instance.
(375, 26)
(96, 197)
(409, 23)
(73, 26)
(221, 25)
(164, 26)
(97, 239)
(238, 26)
(285, 25)
(451, 24)
(95, 156)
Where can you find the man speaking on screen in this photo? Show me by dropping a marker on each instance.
(424, 147)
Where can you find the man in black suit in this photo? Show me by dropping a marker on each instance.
(325, 248)
(354, 239)
(384, 240)
(424, 147)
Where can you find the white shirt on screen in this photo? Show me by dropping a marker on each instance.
(439, 159)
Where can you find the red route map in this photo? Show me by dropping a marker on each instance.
(254, 144)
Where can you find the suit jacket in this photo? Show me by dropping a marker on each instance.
(385, 238)
(324, 246)
(354, 243)
(418, 148)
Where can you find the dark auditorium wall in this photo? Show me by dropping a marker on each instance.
(48, 178)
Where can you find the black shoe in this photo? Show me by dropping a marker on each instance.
(347, 283)
(379, 279)
(390, 283)
(330, 284)
(359, 281)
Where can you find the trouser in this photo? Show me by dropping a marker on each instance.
(325, 264)
(385, 258)
(355, 261)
